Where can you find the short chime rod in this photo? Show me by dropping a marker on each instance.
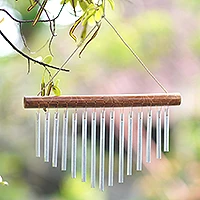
(94, 101)
(166, 130)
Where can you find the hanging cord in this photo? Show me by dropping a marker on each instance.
(135, 55)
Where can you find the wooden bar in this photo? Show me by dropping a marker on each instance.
(97, 101)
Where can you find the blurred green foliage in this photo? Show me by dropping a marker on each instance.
(145, 33)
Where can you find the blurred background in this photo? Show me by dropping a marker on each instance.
(166, 36)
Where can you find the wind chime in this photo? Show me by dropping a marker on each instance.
(100, 105)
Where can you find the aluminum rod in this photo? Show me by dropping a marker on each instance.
(64, 140)
(158, 135)
(139, 142)
(121, 149)
(84, 146)
(166, 130)
(111, 149)
(102, 151)
(149, 135)
(74, 144)
(93, 150)
(37, 134)
(55, 140)
(46, 136)
(130, 144)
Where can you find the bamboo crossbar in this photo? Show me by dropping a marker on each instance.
(97, 101)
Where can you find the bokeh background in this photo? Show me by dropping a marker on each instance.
(166, 36)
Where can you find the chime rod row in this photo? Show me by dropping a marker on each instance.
(97, 101)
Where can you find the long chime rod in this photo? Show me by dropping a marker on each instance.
(74, 144)
(111, 149)
(102, 151)
(149, 135)
(64, 140)
(93, 150)
(37, 136)
(103, 101)
(130, 144)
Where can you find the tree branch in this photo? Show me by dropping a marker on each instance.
(30, 58)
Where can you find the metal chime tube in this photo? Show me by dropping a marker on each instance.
(37, 134)
(166, 130)
(102, 150)
(148, 139)
(55, 140)
(93, 150)
(111, 149)
(158, 135)
(130, 144)
(121, 149)
(46, 136)
(64, 140)
(74, 144)
(139, 142)
(84, 146)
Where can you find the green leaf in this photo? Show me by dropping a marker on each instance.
(112, 4)
(57, 82)
(64, 1)
(98, 14)
(83, 4)
(84, 32)
(42, 87)
(48, 59)
(56, 90)
(90, 13)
